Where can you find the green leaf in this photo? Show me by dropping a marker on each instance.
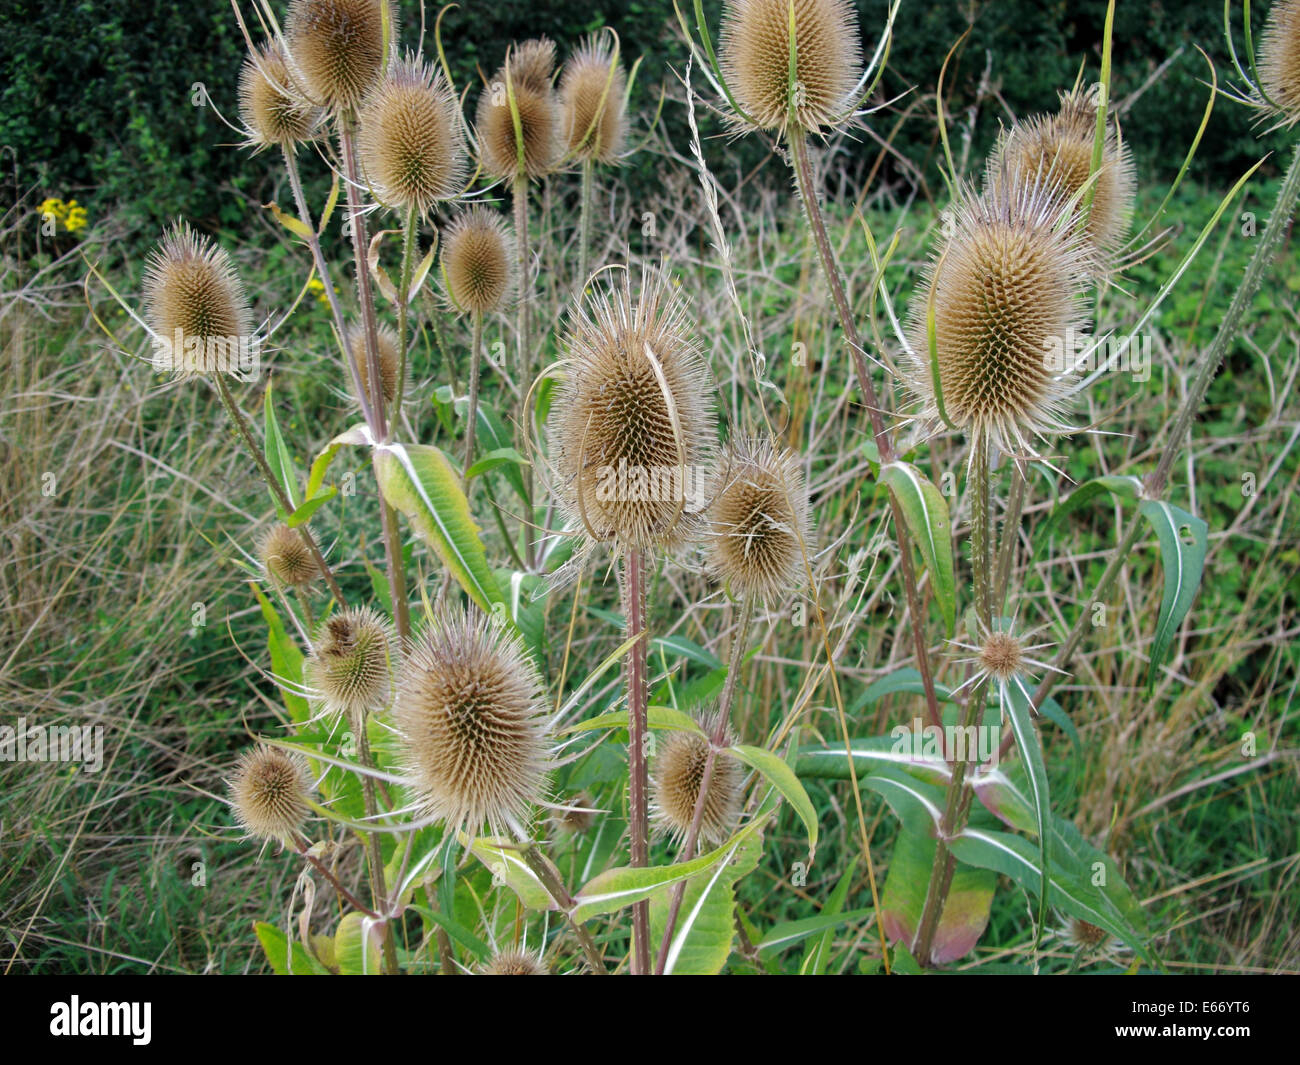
(508, 867)
(1122, 487)
(306, 510)
(1019, 706)
(493, 436)
(358, 945)
(285, 958)
(926, 513)
(278, 458)
(818, 954)
(497, 457)
(419, 481)
(657, 717)
(286, 660)
(1184, 564)
(358, 434)
(787, 933)
(872, 753)
(777, 773)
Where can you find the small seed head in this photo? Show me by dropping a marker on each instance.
(526, 75)
(592, 88)
(477, 258)
(274, 112)
(675, 781)
(286, 558)
(338, 49)
(1002, 656)
(352, 663)
(515, 963)
(268, 793)
(389, 360)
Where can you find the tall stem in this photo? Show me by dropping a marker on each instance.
(584, 226)
(546, 872)
(409, 231)
(375, 855)
(475, 359)
(524, 360)
(638, 821)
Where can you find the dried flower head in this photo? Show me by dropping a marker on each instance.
(675, 780)
(352, 663)
(338, 48)
(411, 139)
(515, 963)
(759, 527)
(268, 793)
(472, 718)
(755, 57)
(286, 558)
(389, 360)
(477, 257)
(1055, 151)
(1005, 658)
(1006, 293)
(195, 305)
(273, 111)
(1002, 655)
(592, 90)
(633, 426)
(1279, 61)
(525, 77)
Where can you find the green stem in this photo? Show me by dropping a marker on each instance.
(409, 231)
(475, 360)
(554, 885)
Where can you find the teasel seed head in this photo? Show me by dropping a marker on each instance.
(675, 779)
(389, 359)
(275, 114)
(515, 963)
(191, 289)
(286, 558)
(755, 59)
(1055, 151)
(471, 715)
(1006, 292)
(352, 665)
(411, 139)
(633, 425)
(268, 793)
(1279, 61)
(477, 260)
(526, 74)
(759, 528)
(337, 48)
(1002, 656)
(592, 89)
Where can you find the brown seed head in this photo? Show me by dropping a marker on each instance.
(411, 139)
(633, 426)
(472, 718)
(758, 520)
(1007, 297)
(526, 75)
(389, 360)
(352, 663)
(268, 793)
(1279, 60)
(676, 776)
(515, 963)
(286, 558)
(755, 57)
(337, 48)
(274, 112)
(1002, 656)
(592, 88)
(191, 288)
(477, 258)
(1084, 936)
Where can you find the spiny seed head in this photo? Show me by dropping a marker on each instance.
(268, 793)
(1006, 292)
(411, 140)
(191, 288)
(526, 75)
(1002, 656)
(286, 558)
(675, 780)
(633, 426)
(472, 719)
(515, 963)
(477, 258)
(274, 112)
(758, 519)
(1084, 936)
(1055, 151)
(389, 360)
(352, 663)
(592, 88)
(755, 55)
(1279, 61)
(338, 49)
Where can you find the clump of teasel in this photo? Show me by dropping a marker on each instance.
(351, 667)
(515, 963)
(273, 112)
(286, 558)
(634, 417)
(471, 717)
(592, 90)
(526, 75)
(676, 777)
(1006, 291)
(477, 261)
(389, 359)
(411, 139)
(759, 526)
(192, 291)
(268, 792)
(1055, 151)
(755, 60)
(1279, 61)
(338, 48)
